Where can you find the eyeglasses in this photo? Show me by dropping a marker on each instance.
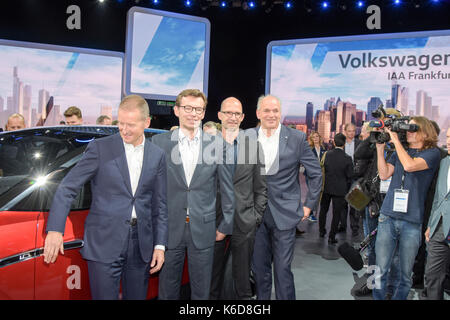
(230, 114)
(188, 109)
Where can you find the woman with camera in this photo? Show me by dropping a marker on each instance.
(401, 215)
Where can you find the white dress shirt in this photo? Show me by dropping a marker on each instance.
(189, 151)
(270, 146)
(135, 158)
(350, 148)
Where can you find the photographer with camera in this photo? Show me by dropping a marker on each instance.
(401, 214)
(367, 172)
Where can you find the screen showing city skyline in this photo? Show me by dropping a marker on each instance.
(41, 81)
(166, 53)
(325, 83)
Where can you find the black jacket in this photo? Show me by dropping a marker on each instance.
(338, 172)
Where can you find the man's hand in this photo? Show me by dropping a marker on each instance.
(54, 242)
(427, 235)
(220, 236)
(157, 261)
(306, 213)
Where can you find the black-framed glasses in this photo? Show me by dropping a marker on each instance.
(229, 114)
(188, 109)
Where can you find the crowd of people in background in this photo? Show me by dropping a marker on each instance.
(250, 206)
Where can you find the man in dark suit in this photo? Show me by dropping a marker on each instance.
(126, 229)
(194, 163)
(351, 143)
(284, 150)
(250, 191)
(338, 168)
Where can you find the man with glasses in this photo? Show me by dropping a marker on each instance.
(194, 163)
(250, 192)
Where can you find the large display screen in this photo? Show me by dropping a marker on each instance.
(41, 81)
(165, 53)
(324, 83)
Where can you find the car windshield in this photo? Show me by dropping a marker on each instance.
(29, 155)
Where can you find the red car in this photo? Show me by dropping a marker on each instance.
(32, 164)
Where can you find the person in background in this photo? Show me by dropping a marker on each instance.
(210, 127)
(350, 146)
(73, 116)
(316, 143)
(15, 121)
(104, 120)
(338, 167)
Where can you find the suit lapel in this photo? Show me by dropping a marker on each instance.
(176, 151)
(284, 136)
(242, 154)
(145, 161)
(121, 161)
(199, 158)
(444, 178)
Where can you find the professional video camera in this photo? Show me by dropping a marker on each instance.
(396, 123)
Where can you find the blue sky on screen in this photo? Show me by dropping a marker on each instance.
(168, 54)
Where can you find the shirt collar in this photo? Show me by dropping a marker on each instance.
(130, 146)
(274, 135)
(183, 138)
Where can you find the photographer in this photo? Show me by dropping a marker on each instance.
(366, 168)
(401, 215)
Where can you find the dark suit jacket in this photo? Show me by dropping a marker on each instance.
(200, 195)
(338, 172)
(283, 178)
(104, 163)
(322, 151)
(249, 182)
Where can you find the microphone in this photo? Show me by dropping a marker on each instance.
(353, 256)
(376, 124)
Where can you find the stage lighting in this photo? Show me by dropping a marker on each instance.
(188, 3)
(325, 5)
(397, 2)
(360, 4)
(251, 4)
(288, 4)
(223, 4)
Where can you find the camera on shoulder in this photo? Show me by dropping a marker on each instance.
(392, 120)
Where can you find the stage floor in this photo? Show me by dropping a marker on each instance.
(319, 271)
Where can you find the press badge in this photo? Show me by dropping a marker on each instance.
(384, 185)
(401, 200)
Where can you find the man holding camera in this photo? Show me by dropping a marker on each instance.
(401, 215)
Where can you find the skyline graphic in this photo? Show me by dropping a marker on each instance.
(411, 74)
(30, 76)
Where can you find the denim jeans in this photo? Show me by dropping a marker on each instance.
(405, 237)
